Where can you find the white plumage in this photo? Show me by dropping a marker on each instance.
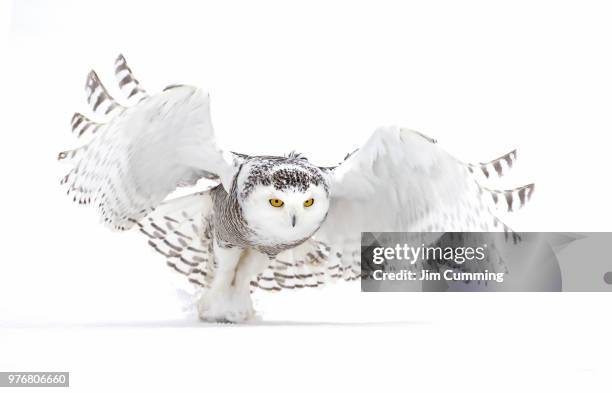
(273, 222)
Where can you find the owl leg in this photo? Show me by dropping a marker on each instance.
(217, 303)
(248, 269)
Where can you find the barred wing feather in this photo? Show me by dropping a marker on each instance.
(145, 151)
(401, 181)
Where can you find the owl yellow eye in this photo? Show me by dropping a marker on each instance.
(308, 202)
(276, 202)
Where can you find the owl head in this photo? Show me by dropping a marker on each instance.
(283, 199)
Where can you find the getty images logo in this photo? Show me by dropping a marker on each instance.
(405, 252)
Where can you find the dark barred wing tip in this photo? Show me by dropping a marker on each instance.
(129, 85)
(100, 101)
(499, 166)
(82, 125)
(511, 200)
(526, 192)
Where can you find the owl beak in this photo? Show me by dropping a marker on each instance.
(293, 220)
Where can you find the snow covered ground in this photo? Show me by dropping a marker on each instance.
(339, 338)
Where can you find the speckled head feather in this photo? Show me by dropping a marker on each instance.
(283, 173)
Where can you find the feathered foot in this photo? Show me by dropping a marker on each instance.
(226, 306)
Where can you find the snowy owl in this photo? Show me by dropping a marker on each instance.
(267, 222)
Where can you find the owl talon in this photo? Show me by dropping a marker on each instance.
(229, 307)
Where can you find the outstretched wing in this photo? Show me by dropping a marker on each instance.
(143, 152)
(402, 181)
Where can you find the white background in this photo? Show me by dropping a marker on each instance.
(483, 77)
